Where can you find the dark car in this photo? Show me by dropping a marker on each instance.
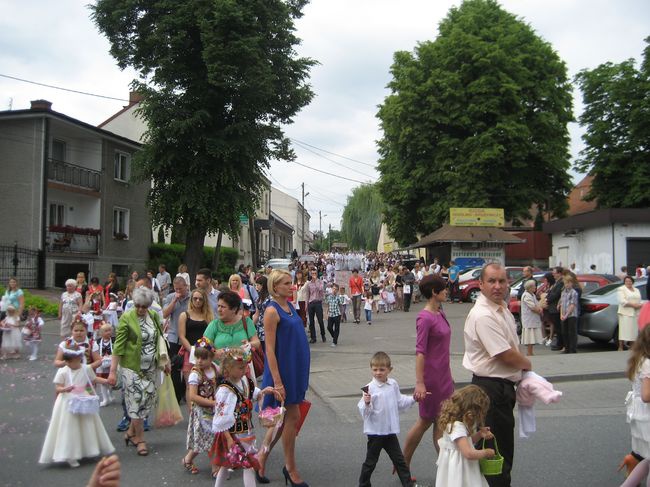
(599, 311)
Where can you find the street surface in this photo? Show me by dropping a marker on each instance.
(579, 441)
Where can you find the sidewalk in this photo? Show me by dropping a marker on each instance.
(338, 373)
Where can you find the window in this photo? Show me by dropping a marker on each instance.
(121, 172)
(120, 270)
(120, 223)
(58, 150)
(56, 214)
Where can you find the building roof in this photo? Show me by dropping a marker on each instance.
(44, 112)
(598, 218)
(576, 201)
(453, 234)
(134, 99)
(278, 219)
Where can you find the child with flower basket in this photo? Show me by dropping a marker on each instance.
(234, 441)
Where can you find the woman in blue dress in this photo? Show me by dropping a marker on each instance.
(287, 365)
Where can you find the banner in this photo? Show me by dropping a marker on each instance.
(476, 217)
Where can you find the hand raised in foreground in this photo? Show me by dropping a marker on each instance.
(107, 473)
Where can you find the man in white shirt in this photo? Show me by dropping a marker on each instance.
(492, 355)
(380, 407)
(164, 281)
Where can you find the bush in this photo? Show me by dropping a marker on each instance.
(46, 306)
(172, 256)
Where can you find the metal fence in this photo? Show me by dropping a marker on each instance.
(20, 263)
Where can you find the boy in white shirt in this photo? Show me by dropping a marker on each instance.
(380, 407)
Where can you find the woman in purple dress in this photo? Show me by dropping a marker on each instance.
(433, 381)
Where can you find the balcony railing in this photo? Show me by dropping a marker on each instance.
(72, 243)
(66, 173)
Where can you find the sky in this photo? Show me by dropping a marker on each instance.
(56, 43)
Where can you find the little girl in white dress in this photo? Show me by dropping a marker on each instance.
(71, 436)
(458, 459)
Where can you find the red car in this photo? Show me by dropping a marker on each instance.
(469, 290)
(589, 282)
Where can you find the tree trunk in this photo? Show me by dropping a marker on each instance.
(251, 229)
(194, 250)
(217, 254)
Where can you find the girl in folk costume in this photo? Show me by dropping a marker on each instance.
(110, 313)
(32, 332)
(234, 441)
(91, 350)
(11, 336)
(79, 434)
(202, 386)
(105, 351)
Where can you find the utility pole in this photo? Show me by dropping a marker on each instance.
(302, 249)
(329, 238)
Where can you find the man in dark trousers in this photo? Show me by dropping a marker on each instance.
(552, 300)
(492, 355)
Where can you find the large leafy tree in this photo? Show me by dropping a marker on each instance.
(617, 137)
(476, 118)
(219, 78)
(362, 217)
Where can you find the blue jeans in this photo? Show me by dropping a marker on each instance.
(368, 315)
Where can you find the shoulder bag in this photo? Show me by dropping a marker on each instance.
(258, 354)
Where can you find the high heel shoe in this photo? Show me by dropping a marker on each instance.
(287, 479)
(261, 479)
(128, 439)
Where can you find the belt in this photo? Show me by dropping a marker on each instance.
(495, 379)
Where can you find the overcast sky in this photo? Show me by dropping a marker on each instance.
(55, 42)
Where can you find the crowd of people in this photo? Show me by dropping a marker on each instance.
(229, 345)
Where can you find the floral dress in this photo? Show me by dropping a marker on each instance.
(199, 428)
(232, 413)
(69, 308)
(140, 386)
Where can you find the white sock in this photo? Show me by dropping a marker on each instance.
(34, 349)
(249, 478)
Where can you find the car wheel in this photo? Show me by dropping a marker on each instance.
(600, 341)
(473, 295)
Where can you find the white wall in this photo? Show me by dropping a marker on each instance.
(604, 246)
(290, 210)
(127, 125)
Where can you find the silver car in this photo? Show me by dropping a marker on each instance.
(599, 312)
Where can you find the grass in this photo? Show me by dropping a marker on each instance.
(46, 306)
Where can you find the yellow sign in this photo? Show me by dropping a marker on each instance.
(476, 217)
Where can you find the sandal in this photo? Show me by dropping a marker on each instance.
(143, 452)
(129, 439)
(190, 466)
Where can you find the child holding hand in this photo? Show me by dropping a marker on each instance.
(380, 407)
(457, 462)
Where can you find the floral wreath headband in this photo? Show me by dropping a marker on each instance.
(70, 347)
(204, 342)
(233, 353)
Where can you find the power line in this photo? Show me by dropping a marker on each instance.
(333, 153)
(329, 173)
(62, 89)
(331, 160)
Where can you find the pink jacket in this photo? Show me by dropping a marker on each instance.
(534, 386)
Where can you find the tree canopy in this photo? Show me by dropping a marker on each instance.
(218, 79)
(476, 118)
(362, 218)
(617, 138)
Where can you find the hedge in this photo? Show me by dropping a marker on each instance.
(172, 256)
(46, 306)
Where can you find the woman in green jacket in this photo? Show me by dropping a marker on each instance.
(136, 349)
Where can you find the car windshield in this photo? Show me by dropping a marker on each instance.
(606, 289)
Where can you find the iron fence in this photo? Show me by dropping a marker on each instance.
(21, 263)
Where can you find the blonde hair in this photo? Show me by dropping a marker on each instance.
(104, 327)
(380, 359)
(468, 405)
(233, 357)
(274, 278)
(640, 351)
(233, 278)
(205, 310)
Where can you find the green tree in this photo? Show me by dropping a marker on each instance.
(476, 118)
(361, 220)
(617, 138)
(219, 78)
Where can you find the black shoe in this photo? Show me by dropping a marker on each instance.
(555, 348)
(324, 339)
(287, 479)
(261, 479)
(313, 340)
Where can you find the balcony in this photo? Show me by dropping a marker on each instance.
(73, 240)
(73, 175)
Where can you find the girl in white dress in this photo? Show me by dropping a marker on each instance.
(70, 436)
(234, 442)
(11, 336)
(458, 459)
(638, 399)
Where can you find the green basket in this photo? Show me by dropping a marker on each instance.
(491, 466)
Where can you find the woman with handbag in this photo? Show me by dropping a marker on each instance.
(230, 329)
(139, 349)
(76, 430)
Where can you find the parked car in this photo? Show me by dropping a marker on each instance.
(589, 283)
(599, 319)
(469, 274)
(278, 263)
(469, 290)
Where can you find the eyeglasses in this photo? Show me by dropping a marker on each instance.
(141, 306)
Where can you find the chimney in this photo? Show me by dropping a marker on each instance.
(41, 105)
(134, 97)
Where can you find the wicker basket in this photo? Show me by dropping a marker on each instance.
(491, 466)
(269, 417)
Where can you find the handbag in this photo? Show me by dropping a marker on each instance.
(80, 404)
(258, 355)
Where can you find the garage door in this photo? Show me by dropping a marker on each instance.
(638, 252)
